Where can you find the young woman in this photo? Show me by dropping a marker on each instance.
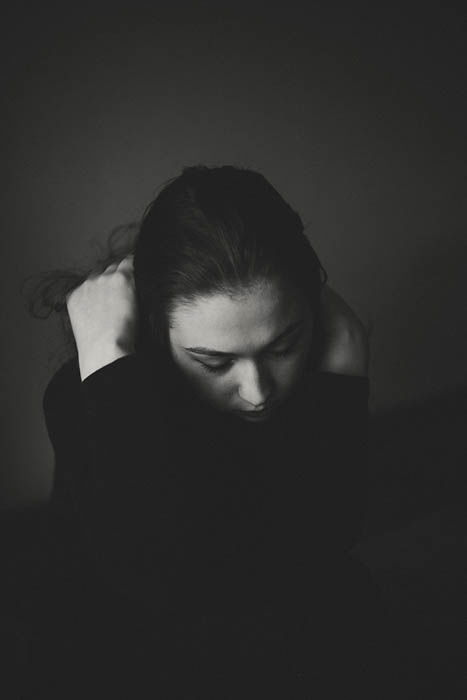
(210, 440)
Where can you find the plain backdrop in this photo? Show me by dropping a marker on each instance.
(354, 111)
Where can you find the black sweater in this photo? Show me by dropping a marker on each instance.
(171, 501)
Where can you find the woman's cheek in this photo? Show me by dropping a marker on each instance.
(214, 387)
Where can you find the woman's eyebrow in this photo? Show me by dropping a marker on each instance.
(218, 353)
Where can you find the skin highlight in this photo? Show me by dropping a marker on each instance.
(243, 353)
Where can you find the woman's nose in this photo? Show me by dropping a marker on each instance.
(254, 386)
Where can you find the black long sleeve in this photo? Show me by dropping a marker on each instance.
(116, 459)
(149, 493)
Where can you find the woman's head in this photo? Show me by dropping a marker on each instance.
(243, 354)
(222, 263)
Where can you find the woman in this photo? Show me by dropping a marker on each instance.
(210, 444)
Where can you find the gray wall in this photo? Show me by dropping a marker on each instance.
(355, 114)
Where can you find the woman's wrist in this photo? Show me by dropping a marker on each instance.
(90, 362)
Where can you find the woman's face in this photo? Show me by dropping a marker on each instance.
(243, 355)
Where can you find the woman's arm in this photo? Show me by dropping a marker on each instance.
(111, 443)
(110, 437)
(346, 342)
(103, 316)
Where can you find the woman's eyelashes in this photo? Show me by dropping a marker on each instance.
(217, 368)
(225, 366)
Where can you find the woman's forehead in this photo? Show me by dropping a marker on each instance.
(231, 324)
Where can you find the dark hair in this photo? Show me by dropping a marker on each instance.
(218, 230)
(209, 230)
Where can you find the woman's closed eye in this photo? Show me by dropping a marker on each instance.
(225, 366)
(216, 368)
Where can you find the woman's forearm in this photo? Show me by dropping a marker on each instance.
(118, 457)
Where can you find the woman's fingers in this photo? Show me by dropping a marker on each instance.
(127, 260)
(112, 267)
(125, 265)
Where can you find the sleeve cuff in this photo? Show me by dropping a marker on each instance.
(120, 381)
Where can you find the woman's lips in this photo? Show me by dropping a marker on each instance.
(256, 415)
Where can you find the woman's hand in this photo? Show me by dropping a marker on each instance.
(103, 316)
(346, 345)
